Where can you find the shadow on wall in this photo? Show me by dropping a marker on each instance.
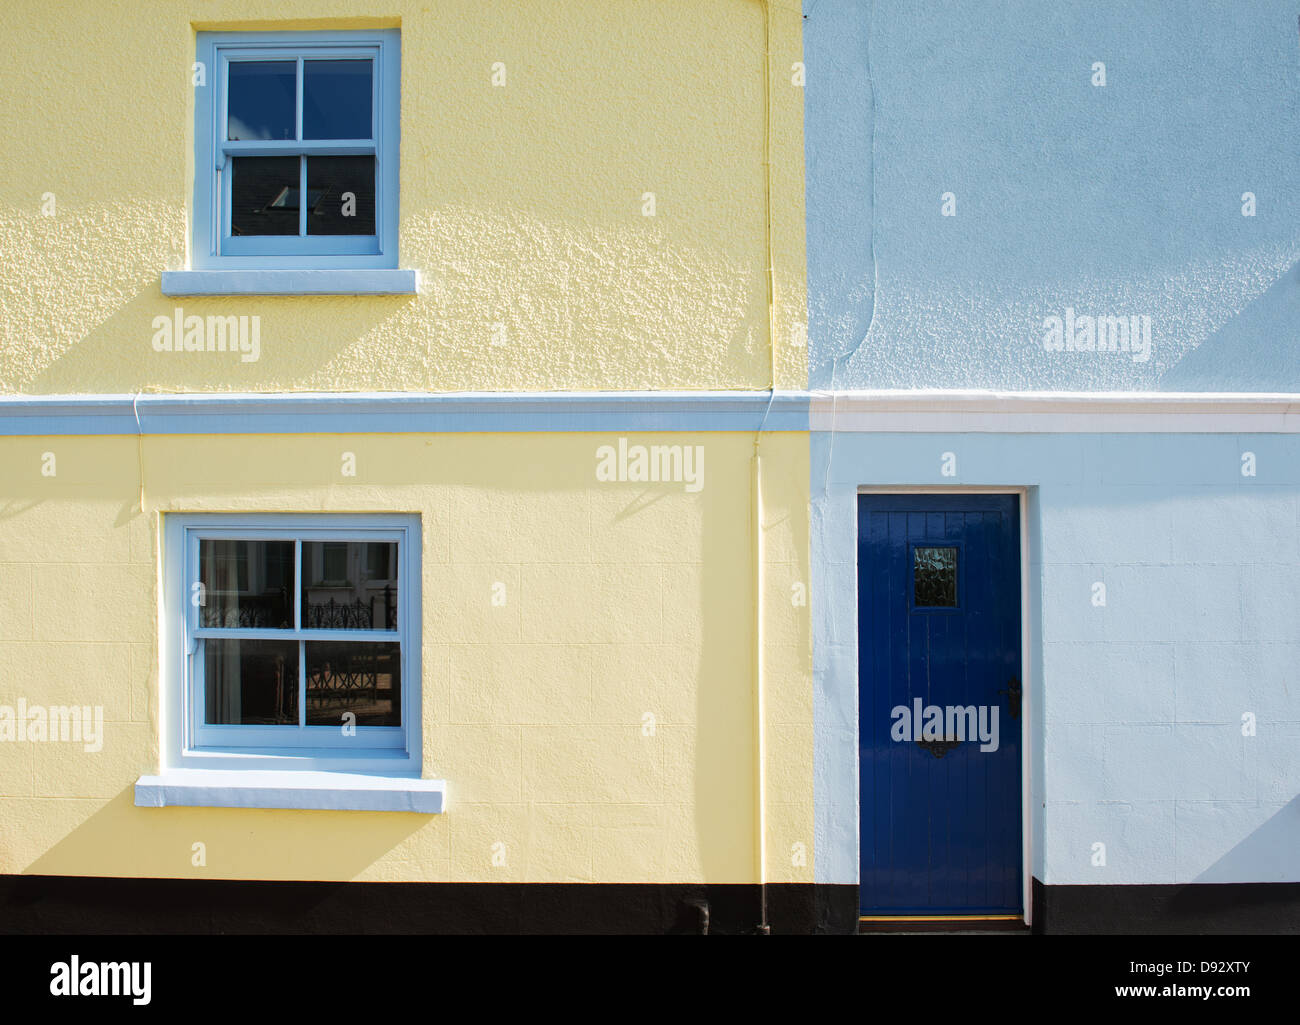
(1258, 349)
(1266, 855)
(18, 506)
(122, 840)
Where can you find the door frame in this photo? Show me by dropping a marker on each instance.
(1027, 683)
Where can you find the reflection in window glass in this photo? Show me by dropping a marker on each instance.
(334, 559)
(345, 187)
(264, 196)
(336, 99)
(362, 678)
(379, 561)
(934, 577)
(246, 584)
(342, 591)
(250, 683)
(262, 100)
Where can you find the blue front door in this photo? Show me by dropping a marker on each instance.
(939, 704)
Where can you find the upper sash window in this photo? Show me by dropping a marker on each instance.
(297, 145)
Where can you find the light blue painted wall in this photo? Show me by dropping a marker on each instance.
(1136, 726)
(1122, 200)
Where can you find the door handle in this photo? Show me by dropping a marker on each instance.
(1012, 691)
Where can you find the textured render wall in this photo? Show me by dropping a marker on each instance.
(622, 600)
(1114, 201)
(520, 205)
(1137, 727)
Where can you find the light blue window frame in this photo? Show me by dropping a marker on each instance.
(212, 245)
(191, 743)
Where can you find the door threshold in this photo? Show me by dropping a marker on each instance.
(942, 923)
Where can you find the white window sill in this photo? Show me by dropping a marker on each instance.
(325, 791)
(376, 281)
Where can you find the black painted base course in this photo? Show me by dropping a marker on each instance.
(99, 906)
(63, 905)
(1199, 908)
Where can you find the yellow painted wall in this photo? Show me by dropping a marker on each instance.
(622, 600)
(520, 205)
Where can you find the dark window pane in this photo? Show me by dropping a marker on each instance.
(341, 591)
(246, 584)
(934, 574)
(264, 196)
(261, 99)
(379, 560)
(344, 188)
(334, 558)
(250, 683)
(364, 679)
(336, 97)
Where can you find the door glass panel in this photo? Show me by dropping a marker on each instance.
(934, 577)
